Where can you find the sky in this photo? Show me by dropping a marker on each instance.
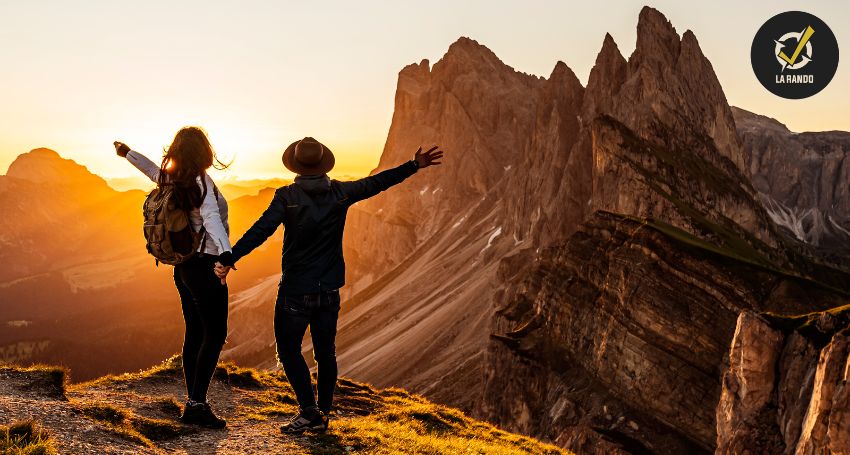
(257, 75)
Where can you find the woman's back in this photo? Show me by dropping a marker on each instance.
(212, 214)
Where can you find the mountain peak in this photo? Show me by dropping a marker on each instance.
(654, 21)
(469, 48)
(46, 152)
(609, 54)
(44, 165)
(657, 39)
(469, 44)
(562, 72)
(606, 77)
(418, 71)
(466, 54)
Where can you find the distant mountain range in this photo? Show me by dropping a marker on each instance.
(574, 271)
(78, 287)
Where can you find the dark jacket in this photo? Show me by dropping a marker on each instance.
(313, 211)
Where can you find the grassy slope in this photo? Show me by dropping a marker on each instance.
(136, 413)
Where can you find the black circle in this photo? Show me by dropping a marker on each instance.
(810, 77)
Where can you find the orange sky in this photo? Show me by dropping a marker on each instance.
(260, 74)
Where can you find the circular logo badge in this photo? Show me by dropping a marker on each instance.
(794, 55)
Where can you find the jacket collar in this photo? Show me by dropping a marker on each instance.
(314, 184)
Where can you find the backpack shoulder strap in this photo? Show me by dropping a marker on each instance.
(204, 186)
(203, 229)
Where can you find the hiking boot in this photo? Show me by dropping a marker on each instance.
(202, 415)
(307, 420)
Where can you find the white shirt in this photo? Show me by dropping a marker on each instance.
(212, 214)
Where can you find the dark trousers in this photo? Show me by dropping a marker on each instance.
(293, 314)
(204, 301)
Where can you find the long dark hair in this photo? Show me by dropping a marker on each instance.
(188, 157)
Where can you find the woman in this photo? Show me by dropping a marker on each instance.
(202, 294)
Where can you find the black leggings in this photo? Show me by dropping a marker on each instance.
(292, 315)
(204, 301)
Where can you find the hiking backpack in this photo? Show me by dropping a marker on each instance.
(168, 229)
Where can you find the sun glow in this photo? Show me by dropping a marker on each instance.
(75, 82)
(249, 149)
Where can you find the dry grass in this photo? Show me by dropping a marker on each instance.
(414, 425)
(25, 438)
(170, 369)
(45, 380)
(236, 376)
(366, 420)
(136, 428)
(818, 326)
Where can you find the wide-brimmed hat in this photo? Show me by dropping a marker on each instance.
(308, 157)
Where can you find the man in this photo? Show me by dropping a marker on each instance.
(313, 211)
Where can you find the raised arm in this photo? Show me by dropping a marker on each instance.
(357, 190)
(141, 162)
(262, 229)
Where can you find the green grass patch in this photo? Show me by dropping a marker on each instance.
(25, 438)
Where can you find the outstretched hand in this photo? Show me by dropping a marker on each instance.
(428, 158)
(121, 148)
(221, 271)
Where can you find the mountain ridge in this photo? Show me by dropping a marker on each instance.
(651, 137)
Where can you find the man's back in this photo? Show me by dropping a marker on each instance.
(313, 211)
(312, 236)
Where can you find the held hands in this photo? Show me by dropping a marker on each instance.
(428, 158)
(121, 148)
(221, 271)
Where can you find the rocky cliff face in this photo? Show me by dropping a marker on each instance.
(580, 251)
(584, 342)
(643, 297)
(803, 178)
(664, 139)
(786, 388)
(482, 113)
(434, 242)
